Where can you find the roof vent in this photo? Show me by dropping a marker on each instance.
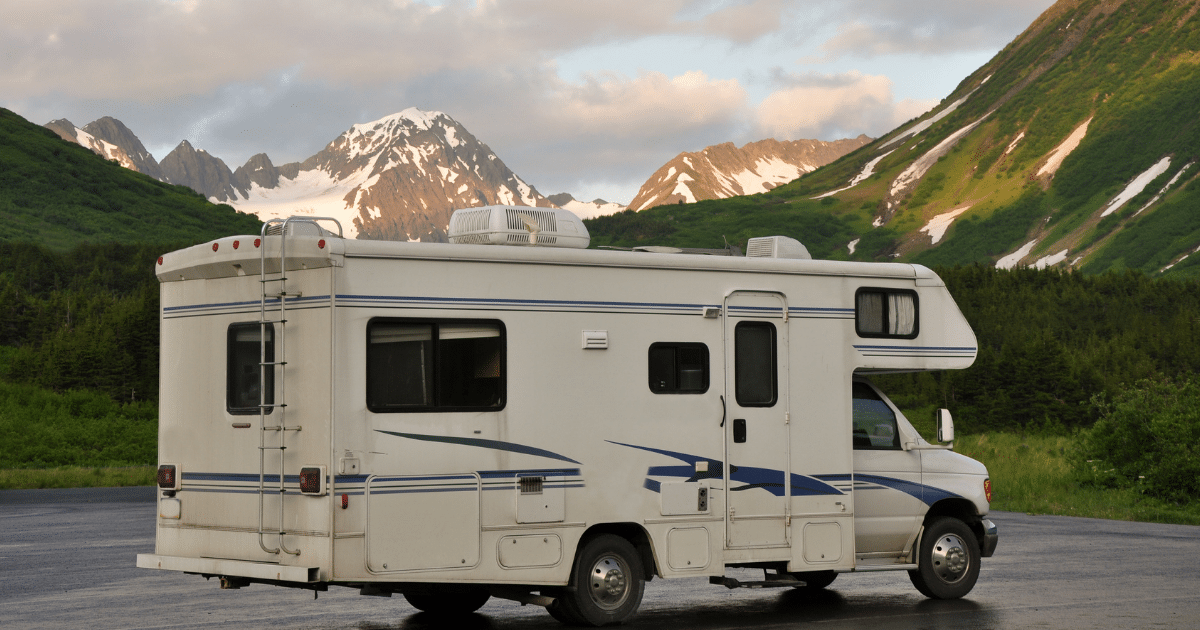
(518, 225)
(776, 247)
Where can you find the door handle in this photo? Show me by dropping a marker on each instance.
(739, 430)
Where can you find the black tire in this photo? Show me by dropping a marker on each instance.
(608, 581)
(815, 580)
(948, 564)
(448, 600)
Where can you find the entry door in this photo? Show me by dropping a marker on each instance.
(757, 439)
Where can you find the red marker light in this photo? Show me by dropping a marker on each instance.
(215, 246)
(321, 244)
(160, 260)
(257, 242)
(235, 244)
(167, 477)
(987, 490)
(345, 501)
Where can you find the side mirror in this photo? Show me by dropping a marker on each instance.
(945, 426)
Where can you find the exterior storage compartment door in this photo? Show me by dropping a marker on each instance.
(422, 522)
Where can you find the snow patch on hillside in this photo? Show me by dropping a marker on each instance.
(1165, 188)
(927, 123)
(853, 244)
(937, 226)
(1012, 145)
(921, 165)
(1011, 260)
(1051, 260)
(1135, 187)
(1064, 149)
(867, 171)
(592, 209)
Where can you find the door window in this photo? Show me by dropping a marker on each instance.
(755, 371)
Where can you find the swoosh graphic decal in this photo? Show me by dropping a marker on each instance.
(481, 443)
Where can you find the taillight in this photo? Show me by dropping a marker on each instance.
(987, 490)
(312, 480)
(168, 477)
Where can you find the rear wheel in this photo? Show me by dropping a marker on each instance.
(448, 600)
(948, 565)
(608, 584)
(815, 579)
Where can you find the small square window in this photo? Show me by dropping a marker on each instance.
(885, 313)
(678, 368)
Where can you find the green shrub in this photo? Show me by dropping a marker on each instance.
(1148, 437)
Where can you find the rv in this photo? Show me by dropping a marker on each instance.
(513, 416)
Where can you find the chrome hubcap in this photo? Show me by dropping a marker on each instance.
(608, 583)
(949, 558)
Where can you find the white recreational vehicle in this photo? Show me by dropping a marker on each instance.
(549, 424)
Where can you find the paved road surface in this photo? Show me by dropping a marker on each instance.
(67, 561)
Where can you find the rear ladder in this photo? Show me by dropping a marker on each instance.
(278, 365)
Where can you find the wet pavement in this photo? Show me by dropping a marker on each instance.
(67, 561)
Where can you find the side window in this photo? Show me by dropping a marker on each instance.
(755, 374)
(874, 422)
(243, 356)
(447, 365)
(678, 368)
(885, 313)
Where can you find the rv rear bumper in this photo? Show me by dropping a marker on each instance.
(235, 568)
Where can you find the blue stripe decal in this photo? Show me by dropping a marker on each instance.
(926, 494)
(481, 443)
(272, 303)
(751, 477)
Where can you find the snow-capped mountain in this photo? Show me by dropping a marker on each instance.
(397, 178)
(585, 209)
(724, 170)
(108, 150)
(113, 131)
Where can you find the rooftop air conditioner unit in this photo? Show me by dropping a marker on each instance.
(518, 225)
(776, 247)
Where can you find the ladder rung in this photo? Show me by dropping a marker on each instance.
(272, 321)
(272, 406)
(274, 363)
(272, 448)
(273, 279)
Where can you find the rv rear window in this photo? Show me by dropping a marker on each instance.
(442, 365)
(245, 351)
(885, 313)
(678, 368)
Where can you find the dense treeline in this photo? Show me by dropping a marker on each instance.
(1050, 341)
(86, 319)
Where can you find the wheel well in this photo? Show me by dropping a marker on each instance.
(636, 536)
(960, 509)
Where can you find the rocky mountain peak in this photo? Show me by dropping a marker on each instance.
(111, 130)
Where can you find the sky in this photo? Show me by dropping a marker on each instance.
(578, 96)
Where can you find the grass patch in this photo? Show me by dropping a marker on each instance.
(76, 477)
(1033, 474)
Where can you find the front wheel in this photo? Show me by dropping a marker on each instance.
(948, 564)
(608, 584)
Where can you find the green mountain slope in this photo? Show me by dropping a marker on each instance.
(1076, 146)
(59, 194)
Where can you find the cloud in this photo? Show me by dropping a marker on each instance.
(826, 106)
(929, 27)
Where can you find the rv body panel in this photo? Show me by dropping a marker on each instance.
(478, 411)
